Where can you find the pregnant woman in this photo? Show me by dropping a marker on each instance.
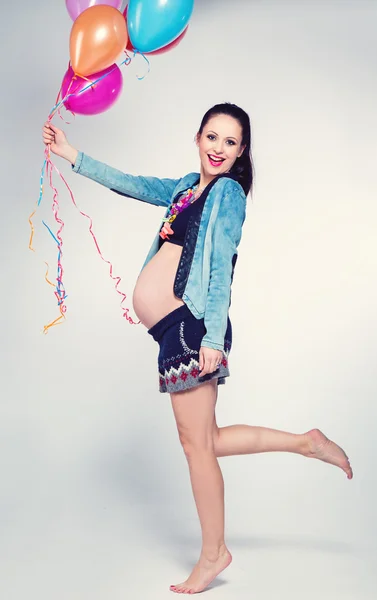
(182, 296)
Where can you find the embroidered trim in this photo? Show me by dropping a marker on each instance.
(187, 376)
(185, 347)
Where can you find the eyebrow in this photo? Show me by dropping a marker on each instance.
(229, 136)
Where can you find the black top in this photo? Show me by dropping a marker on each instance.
(179, 225)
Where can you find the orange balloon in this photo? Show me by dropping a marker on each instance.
(98, 36)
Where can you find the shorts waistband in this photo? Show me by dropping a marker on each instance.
(180, 313)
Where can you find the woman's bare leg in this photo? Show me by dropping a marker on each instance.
(194, 411)
(249, 439)
(203, 441)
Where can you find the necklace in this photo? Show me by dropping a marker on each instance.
(177, 207)
(191, 195)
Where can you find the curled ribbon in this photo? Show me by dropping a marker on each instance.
(59, 287)
(129, 60)
(47, 169)
(117, 279)
(59, 291)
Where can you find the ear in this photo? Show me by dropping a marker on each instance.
(197, 139)
(241, 151)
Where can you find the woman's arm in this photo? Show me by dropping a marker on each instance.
(147, 189)
(226, 237)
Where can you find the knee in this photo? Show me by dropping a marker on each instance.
(194, 443)
(216, 439)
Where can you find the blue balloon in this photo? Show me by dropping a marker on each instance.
(152, 24)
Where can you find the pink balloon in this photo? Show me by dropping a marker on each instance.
(96, 99)
(76, 7)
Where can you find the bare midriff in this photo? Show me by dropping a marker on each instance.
(153, 296)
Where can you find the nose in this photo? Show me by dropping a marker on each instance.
(218, 148)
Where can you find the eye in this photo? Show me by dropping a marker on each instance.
(231, 142)
(210, 136)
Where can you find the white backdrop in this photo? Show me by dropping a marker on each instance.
(95, 497)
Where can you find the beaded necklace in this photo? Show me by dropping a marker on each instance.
(191, 195)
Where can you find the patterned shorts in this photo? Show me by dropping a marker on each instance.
(179, 335)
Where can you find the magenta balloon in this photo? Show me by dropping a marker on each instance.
(96, 99)
(76, 7)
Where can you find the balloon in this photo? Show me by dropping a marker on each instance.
(98, 37)
(172, 44)
(76, 7)
(129, 45)
(95, 99)
(153, 24)
(162, 50)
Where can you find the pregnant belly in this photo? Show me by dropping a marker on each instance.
(153, 296)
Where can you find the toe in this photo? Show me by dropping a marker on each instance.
(348, 470)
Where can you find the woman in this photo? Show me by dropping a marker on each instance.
(183, 296)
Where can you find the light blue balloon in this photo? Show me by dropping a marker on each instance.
(152, 24)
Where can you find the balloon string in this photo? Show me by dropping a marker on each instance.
(37, 203)
(117, 279)
(62, 316)
(59, 288)
(60, 292)
(59, 104)
(47, 168)
(92, 83)
(147, 61)
(60, 100)
(46, 274)
(127, 60)
(32, 230)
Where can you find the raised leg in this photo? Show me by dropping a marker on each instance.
(249, 439)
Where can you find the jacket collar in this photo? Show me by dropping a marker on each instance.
(186, 182)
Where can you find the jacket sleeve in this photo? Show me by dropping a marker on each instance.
(147, 189)
(226, 238)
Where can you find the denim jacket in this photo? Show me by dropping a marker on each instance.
(205, 271)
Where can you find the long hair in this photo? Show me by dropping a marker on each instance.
(243, 167)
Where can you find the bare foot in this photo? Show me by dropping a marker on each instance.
(203, 573)
(319, 446)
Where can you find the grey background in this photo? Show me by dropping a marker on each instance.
(95, 498)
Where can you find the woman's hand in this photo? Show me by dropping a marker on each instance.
(209, 360)
(56, 139)
(166, 230)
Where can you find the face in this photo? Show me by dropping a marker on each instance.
(219, 145)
